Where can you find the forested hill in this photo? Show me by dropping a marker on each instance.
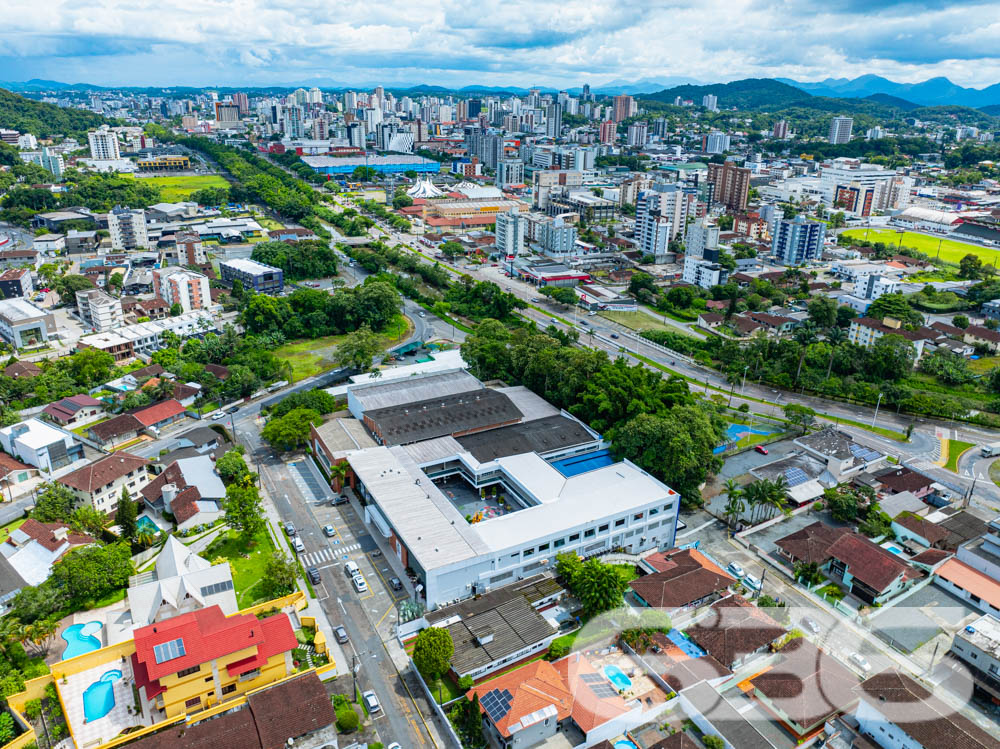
(41, 119)
(748, 93)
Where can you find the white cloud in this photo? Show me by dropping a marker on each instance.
(492, 41)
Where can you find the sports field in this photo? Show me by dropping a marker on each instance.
(173, 189)
(951, 251)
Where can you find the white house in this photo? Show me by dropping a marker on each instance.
(36, 443)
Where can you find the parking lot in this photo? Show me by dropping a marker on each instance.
(922, 616)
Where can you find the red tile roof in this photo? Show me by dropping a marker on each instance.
(158, 412)
(8, 464)
(589, 710)
(904, 480)
(682, 578)
(208, 634)
(734, 629)
(871, 564)
(533, 687)
(812, 543)
(45, 535)
(22, 369)
(103, 471)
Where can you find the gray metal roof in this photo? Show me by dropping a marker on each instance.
(538, 436)
(412, 389)
(496, 633)
(443, 415)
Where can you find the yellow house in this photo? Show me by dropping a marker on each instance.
(201, 658)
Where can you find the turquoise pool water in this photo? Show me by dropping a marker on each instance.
(736, 432)
(617, 677)
(894, 549)
(688, 646)
(99, 697)
(625, 744)
(146, 525)
(80, 639)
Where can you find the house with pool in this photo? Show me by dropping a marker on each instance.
(170, 672)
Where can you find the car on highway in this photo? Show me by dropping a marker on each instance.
(735, 569)
(341, 634)
(761, 449)
(359, 584)
(313, 574)
(329, 531)
(614, 335)
(290, 528)
(371, 702)
(809, 623)
(298, 545)
(860, 661)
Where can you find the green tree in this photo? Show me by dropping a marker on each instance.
(725, 223)
(231, 466)
(970, 266)
(115, 283)
(432, 652)
(90, 572)
(960, 321)
(359, 349)
(236, 292)
(599, 587)
(7, 733)
(90, 366)
(568, 565)
(451, 249)
(843, 505)
(802, 416)
(291, 430)
(176, 309)
(126, 516)
(895, 306)
(54, 503)
(244, 510)
(87, 519)
(68, 285)
(561, 294)
(712, 741)
(823, 311)
(809, 573)
(279, 577)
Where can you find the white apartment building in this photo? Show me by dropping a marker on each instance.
(875, 286)
(716, 143)
(703, 273)
(127, 227)
(701, 235)
(141, 339)
(100, 483)
(840, 129)
(671, 202)
(104, 144)
(557, 237)
(100, 311)
(510, 229)
(41, 445)
(176, 285)
(509, 172)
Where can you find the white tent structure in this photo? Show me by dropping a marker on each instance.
(424, 188)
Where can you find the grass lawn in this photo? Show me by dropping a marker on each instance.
(951, 251)
(82, 430)
(832, 591)
(995, 472)
(984, 364)
(314, 356)
(248, 569)
(269, 223)
(955, 450)
(640, 321)
(13, 526)
(444, 690)
(173, 189)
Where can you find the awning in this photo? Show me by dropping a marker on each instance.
(379, 520)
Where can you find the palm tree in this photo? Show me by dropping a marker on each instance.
(11, 631)
(735, 504)
(338, 472)
(40, 632)
(777, 488)
(834, 336)
(804, 335)
(754, 498)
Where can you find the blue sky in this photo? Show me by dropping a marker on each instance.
(514, 42)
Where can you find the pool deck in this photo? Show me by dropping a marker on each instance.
(643, 688)
(118, 718)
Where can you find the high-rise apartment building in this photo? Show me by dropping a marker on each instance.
(510, 172)
(607, 131)
(103, 144)
(624, 107)
(510, 227)
(840, 129)
(638, 134)
(710, 102)
(701, 235)
(293, 123)
(780, 130)
(227, 111)
(715, 142)
(176, 285)
(242, 101)
(99, 310)
(553, 120)
(661, 213)
(797, 240)
(730, 185)
(127, 228)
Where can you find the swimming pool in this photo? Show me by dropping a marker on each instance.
(894, 549)
(617, 677)
(736, 432)
(582, 463)
(99, 697)
(625, 744)
(145, 525)
(80, 639)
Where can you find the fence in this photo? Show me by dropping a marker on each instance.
(449, 729)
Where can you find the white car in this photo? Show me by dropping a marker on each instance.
(219, 415)
(359, 584)
(752, 582)
(298, 545)
(371, 701)
(860, 661)
(735, 569)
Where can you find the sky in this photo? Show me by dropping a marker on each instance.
(558, 43)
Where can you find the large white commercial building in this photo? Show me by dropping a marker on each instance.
(23, 324)
(104, 144)
(39, 444)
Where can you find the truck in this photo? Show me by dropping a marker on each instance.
(989, 451)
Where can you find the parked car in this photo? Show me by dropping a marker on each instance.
(395, 583)
(232, 409)
(351, 569)
(298, 545)
(761, 449)
(341, 634)
(752, 582)
(313, 575)
(339, 500)
(371, 701)
(810, 624)
(394, 745)
(289, 528)
(219, 415)
(329, 531)
(359, 584)
(614, 335)
(735, 569)
(860, 661)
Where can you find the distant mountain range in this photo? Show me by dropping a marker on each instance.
(930, 93)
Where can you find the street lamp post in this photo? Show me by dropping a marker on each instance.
(877, 404)
(743, 387)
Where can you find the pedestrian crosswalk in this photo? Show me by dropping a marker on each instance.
(316, 558)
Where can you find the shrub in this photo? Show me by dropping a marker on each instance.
(347, 720)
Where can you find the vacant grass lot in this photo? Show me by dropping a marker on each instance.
(951, 250)
(173, 189)
(984, 364)
(640, 321)
(314, 356)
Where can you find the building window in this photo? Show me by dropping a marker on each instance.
(528, 552)
(188, 671)
(250, 675)
(193, 702)
(603, 528)
(574, 537)
(229, 689)
(637, 516)
(620, 522)
(559, 542)
(543, 547)
(589, 533)
(993, 668)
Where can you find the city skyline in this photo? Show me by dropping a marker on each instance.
(522, 44)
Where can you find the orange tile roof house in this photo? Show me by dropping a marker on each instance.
(161, 414)
(100, 483)
(683, 578)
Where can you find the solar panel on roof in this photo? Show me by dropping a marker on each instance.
(496, 704)
(795, 476)
(604, 690)
(167, 651)
(591, 678)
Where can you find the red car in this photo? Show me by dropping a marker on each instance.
(761, 449)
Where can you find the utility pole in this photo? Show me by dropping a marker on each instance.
(354, 675)
(877, 404)
(763, 574)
